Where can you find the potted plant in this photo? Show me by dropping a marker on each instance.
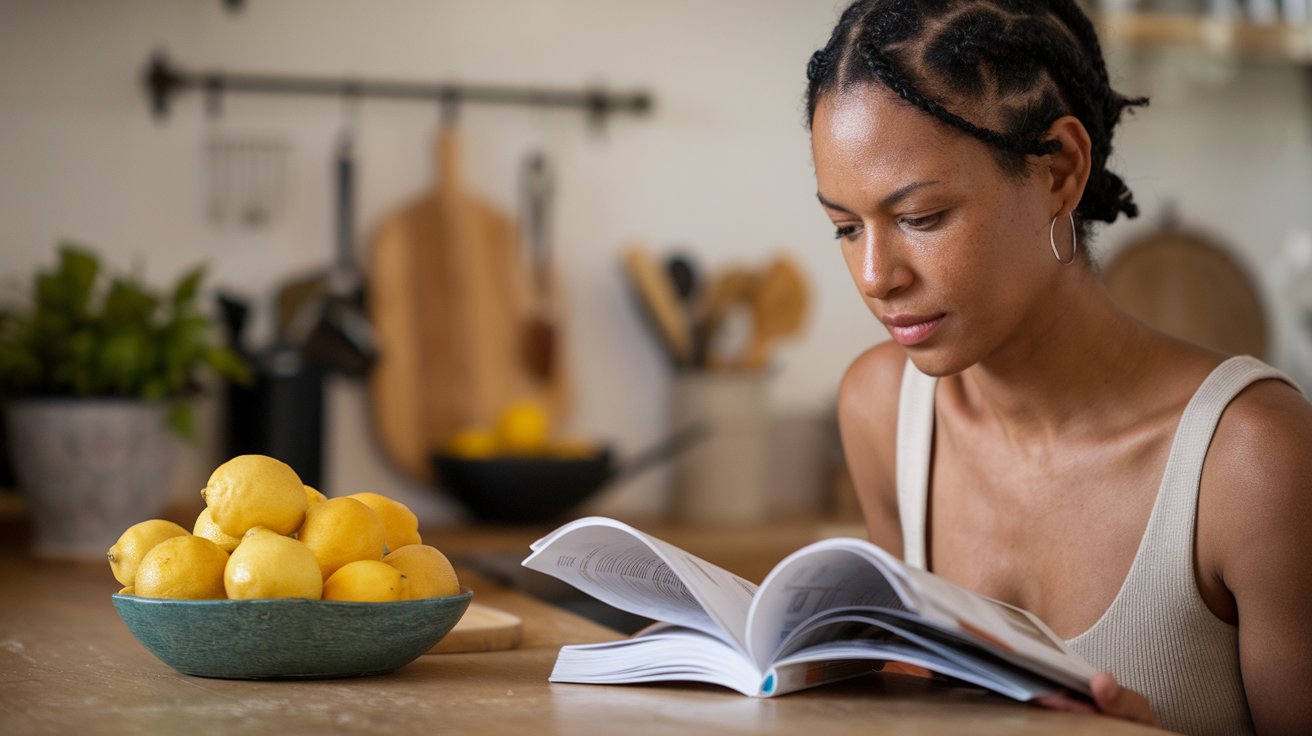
(94, 374)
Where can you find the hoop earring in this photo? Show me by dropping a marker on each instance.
(1075, 242)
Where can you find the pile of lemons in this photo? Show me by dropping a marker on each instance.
(264, 534)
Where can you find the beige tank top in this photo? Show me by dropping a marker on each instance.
(1158, 636)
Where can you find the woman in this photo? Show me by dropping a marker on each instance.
(1014, 435)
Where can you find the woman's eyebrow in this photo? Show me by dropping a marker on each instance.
(892, 199)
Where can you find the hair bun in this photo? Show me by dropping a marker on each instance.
(1105, 198)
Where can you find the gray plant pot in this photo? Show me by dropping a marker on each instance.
(89, 469)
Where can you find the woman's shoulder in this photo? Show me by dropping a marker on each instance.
(867, 418)
(1255, 479)
(869, 392)
(1263, 438)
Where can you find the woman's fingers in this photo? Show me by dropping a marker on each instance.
(1113, 699)
(1109, 698)
(1066, 704)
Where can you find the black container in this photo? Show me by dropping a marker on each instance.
(281, 413)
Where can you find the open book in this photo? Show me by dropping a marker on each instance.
(834, 609)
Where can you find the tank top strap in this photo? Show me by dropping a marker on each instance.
(1169, 537)
(915, 446)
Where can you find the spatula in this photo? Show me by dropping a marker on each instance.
(539, 342)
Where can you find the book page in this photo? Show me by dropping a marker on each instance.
(661, 653)
(833, 573)
(635, 572)
(1016, 634)
(839, 627)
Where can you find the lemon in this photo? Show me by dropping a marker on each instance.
(140, 538)
(522, 429)
(366, 580)
(255, 490)
(428, 570)
(400, 525)
(342, 530)
(128, 590)
(187, 567)
(313, 496)
(473, 444)
(269, 565)
(573, 449)
(205, 527)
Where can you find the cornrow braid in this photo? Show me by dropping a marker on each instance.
(999, 70)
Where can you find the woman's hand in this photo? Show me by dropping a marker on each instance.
(1109, 698)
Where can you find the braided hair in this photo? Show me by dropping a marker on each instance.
(999, 70)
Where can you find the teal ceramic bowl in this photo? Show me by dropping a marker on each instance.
(289, 638)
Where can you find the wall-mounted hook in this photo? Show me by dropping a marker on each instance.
(214, 96)
(448, 101)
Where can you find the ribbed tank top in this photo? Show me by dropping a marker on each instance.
(1158, 636)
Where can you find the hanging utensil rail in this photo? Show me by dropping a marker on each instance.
(163, 80)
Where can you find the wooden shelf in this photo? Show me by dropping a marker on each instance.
(1239, 40)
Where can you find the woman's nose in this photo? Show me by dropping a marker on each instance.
(879, 273)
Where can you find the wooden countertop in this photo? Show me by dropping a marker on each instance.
(68, 665)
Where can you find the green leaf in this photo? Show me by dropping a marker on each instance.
(182, 419)
(153, 390)
(128, 303)
(184, 294)
(229, 364)
(122, 361)
(78, 269)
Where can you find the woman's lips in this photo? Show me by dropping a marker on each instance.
(909, 329)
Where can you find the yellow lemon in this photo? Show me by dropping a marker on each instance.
(187, 567)
(523, 429)
(366, 580)
(205, 527)
(473, 444)
(313, 496)
(400, 525)
(128, 590)
(428, 570)
(255, 490)
(269, 565)
(342, 530)
(140, 538)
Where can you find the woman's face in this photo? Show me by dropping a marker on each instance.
(950, 253)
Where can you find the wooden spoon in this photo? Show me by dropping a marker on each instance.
(778, 301)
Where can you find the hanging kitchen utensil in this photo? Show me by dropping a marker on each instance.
(1190, 286)
(448, 300)
(539, 338)
(329, 325)
(244, 178)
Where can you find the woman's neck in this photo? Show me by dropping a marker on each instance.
(1071, 363)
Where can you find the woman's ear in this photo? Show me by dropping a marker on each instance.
(1068, 169)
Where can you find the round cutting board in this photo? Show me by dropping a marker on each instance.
(482, 629)
(1192, 287)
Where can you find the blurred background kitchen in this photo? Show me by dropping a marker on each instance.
(712, 178)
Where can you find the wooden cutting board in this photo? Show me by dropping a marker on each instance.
(1190, 286)
(482, 629)
(449, 301)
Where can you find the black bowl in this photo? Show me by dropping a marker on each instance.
(524, 490)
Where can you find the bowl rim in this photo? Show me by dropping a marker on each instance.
(466, 593)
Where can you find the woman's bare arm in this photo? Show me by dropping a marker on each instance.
(1257, 494)
(867, 420)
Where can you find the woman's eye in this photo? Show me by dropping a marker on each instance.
(844, 231)
(923, 222)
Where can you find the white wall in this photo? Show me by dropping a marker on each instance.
(722, 165)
